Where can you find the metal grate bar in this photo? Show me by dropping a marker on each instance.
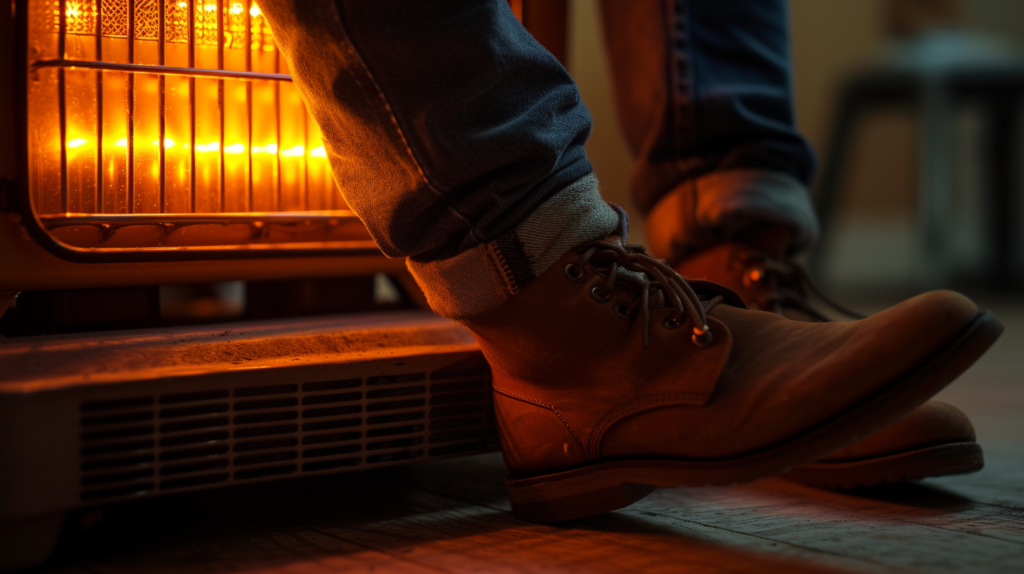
(162, 138)
(192, 103)
(305, 164)
(163, 70)
(99, 108)
(131, 109)
(277, 127)
(62, 104)
(220, 100)
(248, 101)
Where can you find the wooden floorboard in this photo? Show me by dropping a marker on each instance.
(453, 517)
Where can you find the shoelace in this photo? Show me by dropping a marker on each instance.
(654, 276)
(793, 288)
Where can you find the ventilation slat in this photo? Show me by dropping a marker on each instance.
(116, 462)
(194, 467)
(194, 452)
(116, 434)
(331, 385)
(265, 444)
(249, 474)
(195, 411)
(331, 424)
(332, 437)
(193, 481)
(116, 419)
(268, 417)
(116, 404)
(331, 451)
(194, 424)
(196, 397)
(395, 379)
(332, 411)
(197, 439)
(266, 390)
(322, 465)
(332, 398)
(132, 476)
(265, 458)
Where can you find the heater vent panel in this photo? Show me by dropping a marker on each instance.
(176, 441)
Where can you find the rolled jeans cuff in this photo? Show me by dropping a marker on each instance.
(485, 276)
(718, 206)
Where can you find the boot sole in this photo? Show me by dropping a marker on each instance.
(607, 486)
(939, 460)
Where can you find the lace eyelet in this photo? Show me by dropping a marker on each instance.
(702, 337)
(573, 273)
(671, 323)
(600, 297)
(623, 311)
(753, 277)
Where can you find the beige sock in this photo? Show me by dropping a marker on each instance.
(485, 276)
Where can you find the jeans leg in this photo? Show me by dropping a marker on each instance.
(456, 138)
(705, 99)
(446, 124)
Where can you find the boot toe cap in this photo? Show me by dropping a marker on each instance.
(933, 423)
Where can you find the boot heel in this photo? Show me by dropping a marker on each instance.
(535, 501)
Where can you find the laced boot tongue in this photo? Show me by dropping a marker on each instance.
(786, 287)
(656, 283)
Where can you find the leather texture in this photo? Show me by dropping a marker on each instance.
(741, 268)
(933, 423)
(558, 353)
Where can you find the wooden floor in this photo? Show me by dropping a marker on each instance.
(453, 516)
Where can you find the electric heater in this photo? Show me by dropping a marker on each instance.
(154, 142)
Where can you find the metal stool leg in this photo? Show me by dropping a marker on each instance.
(1004, 113)
(829, 182)
(934, 185)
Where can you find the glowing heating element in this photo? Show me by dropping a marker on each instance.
(148, 107)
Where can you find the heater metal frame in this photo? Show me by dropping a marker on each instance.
(23, 201)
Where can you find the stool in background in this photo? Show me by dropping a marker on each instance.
(932, 74)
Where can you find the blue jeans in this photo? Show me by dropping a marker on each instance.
(447, 124)
(705, 100)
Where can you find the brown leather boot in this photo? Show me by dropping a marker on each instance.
(613, 376)
(932, 441)
(935, 439)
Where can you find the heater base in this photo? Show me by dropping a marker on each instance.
(89, 419)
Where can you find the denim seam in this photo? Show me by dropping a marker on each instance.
(350, 45)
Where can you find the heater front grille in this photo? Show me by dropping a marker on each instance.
(175, 441)
(173, 124)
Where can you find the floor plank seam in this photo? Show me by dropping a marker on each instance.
(789, 544)
(392, 553)
(805, 549)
